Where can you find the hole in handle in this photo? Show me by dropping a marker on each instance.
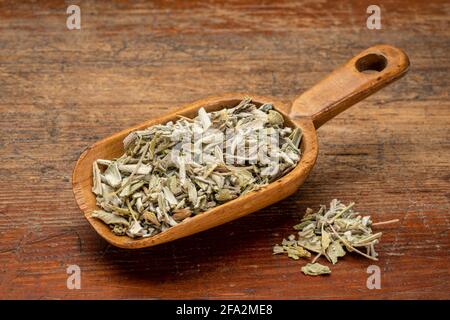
(371, 63)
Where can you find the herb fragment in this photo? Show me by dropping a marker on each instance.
(330, 233)
(315, 269)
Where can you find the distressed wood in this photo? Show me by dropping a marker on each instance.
(60, 91)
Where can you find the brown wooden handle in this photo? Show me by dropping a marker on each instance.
(364, 74)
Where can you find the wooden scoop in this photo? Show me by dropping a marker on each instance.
(363, 75)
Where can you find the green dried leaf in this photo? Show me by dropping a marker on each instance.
(192, 192)
(302, 225)
(152, 146)
(297, 252)
(112, 175)
(151, 218)
(131, 188)
(97, 180)
(244, 177)
(275, 118)
(162, 204)
(315, 269)
(335, 251)
(170, 197)
(312, 244)
(119, 229)
(135, 230)
(174, 185)
(181, 214)
(130, 168)
(225, 195)
(296, 137)
(119, 211)
(292, 255)
(307, 231)
(110, 218)
(277, 249)
(326, 240)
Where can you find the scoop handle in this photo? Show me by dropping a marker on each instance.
(364, 74)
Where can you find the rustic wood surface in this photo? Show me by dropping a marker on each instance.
(62, 90)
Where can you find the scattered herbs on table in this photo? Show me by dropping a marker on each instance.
(331, 234)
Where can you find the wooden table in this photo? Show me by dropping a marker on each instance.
(62, 90)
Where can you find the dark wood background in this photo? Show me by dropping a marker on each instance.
(62, 90)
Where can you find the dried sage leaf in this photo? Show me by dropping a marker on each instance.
(110, 218)
(97, 180)
(326, 240)
(112, 175)
(315, 269)
(335, 251)
(151, 218)
(181, 214)
(277, 249)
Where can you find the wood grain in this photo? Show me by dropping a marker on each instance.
(61, 90)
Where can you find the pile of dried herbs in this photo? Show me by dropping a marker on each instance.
(331, 233)
(172, 171)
